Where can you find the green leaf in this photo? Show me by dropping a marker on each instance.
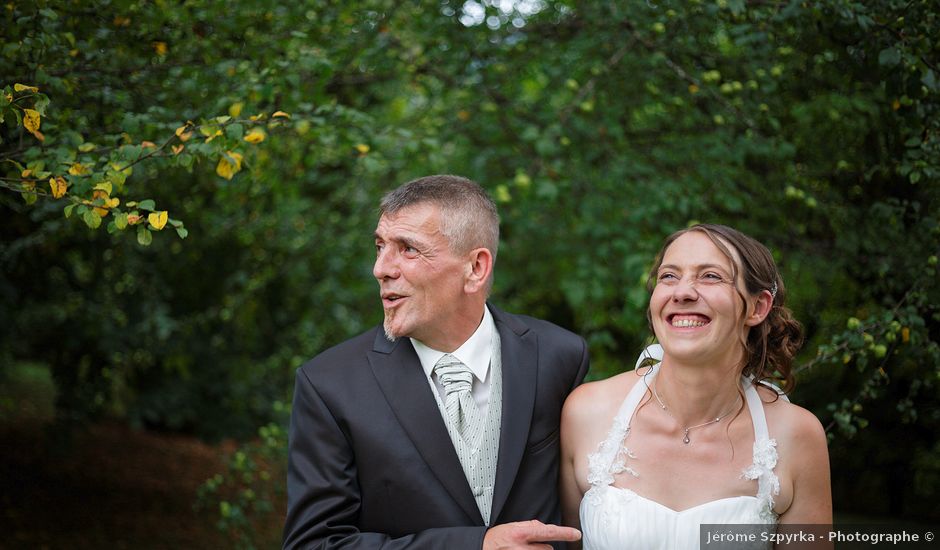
(182, 232)
(68, 209)
(147, 205)
(889, 57)
(91, 219)
(117, 178)
(120, 220)
(112, 228)
(144, 237)
(42, 101)
(931, 81)
(234, 131)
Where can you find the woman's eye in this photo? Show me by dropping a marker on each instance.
(712, 277)
(667, 276)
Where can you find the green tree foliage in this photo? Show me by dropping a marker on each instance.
(599, 127)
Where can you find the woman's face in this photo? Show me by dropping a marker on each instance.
(696, 311)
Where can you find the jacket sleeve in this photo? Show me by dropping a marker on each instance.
(323, 495)
(583, 365)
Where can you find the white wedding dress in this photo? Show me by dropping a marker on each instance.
(616, 518)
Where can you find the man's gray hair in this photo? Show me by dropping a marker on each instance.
(468, 216)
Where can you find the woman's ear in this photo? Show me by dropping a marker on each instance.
(762, 306)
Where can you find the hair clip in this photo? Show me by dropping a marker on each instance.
(773, 290)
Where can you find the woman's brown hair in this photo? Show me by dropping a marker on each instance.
(771, 345)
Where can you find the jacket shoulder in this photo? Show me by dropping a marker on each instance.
(340, 356)
(521, 323)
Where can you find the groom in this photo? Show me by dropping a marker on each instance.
(439, 429)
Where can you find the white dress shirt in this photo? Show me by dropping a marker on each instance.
(475, 353)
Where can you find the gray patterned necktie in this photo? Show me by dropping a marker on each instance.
(462, 411)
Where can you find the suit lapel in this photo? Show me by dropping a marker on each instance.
(398, 371)
(520, 368)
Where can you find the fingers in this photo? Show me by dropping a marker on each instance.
(548, 532)
(528, 534)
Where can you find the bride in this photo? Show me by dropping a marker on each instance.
(700, 437)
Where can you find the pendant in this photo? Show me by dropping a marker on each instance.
(686, 439)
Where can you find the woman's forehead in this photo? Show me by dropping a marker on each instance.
(695, 248)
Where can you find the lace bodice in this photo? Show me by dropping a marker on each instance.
(618, 518)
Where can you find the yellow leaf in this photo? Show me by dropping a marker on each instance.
(32, 120)
(78, 169)
(58, 186)
(256, 135)
(236, 109)
(26, 173)
(362, 148)
(157, 219)
(101, 194)
(24, 87)
(182, 133)
(229, 165)
(213, 136)
(177, 149)
(159, 47)
(280, 114)
(133, 219)
(146, 144)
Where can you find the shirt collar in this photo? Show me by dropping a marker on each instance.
(475, 352)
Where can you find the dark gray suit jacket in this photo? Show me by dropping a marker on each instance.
(371, 464)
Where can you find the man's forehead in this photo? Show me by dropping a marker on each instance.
(419, 219)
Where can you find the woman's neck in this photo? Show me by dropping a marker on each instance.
(696, 393)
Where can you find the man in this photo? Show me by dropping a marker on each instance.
(439, 429)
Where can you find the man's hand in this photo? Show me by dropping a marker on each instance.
(527, 534)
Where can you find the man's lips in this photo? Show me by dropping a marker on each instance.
(390, 299)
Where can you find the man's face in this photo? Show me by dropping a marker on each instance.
(421, 280)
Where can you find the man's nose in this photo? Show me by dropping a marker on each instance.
(386, 264)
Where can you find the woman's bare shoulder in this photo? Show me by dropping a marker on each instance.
(790, 423)
(598, 397)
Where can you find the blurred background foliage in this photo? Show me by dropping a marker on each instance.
(599, 128)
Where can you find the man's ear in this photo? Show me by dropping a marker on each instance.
(762, 307)
(479, 269)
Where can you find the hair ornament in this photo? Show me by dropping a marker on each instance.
(773, 290)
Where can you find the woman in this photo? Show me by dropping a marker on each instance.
(700, 437)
